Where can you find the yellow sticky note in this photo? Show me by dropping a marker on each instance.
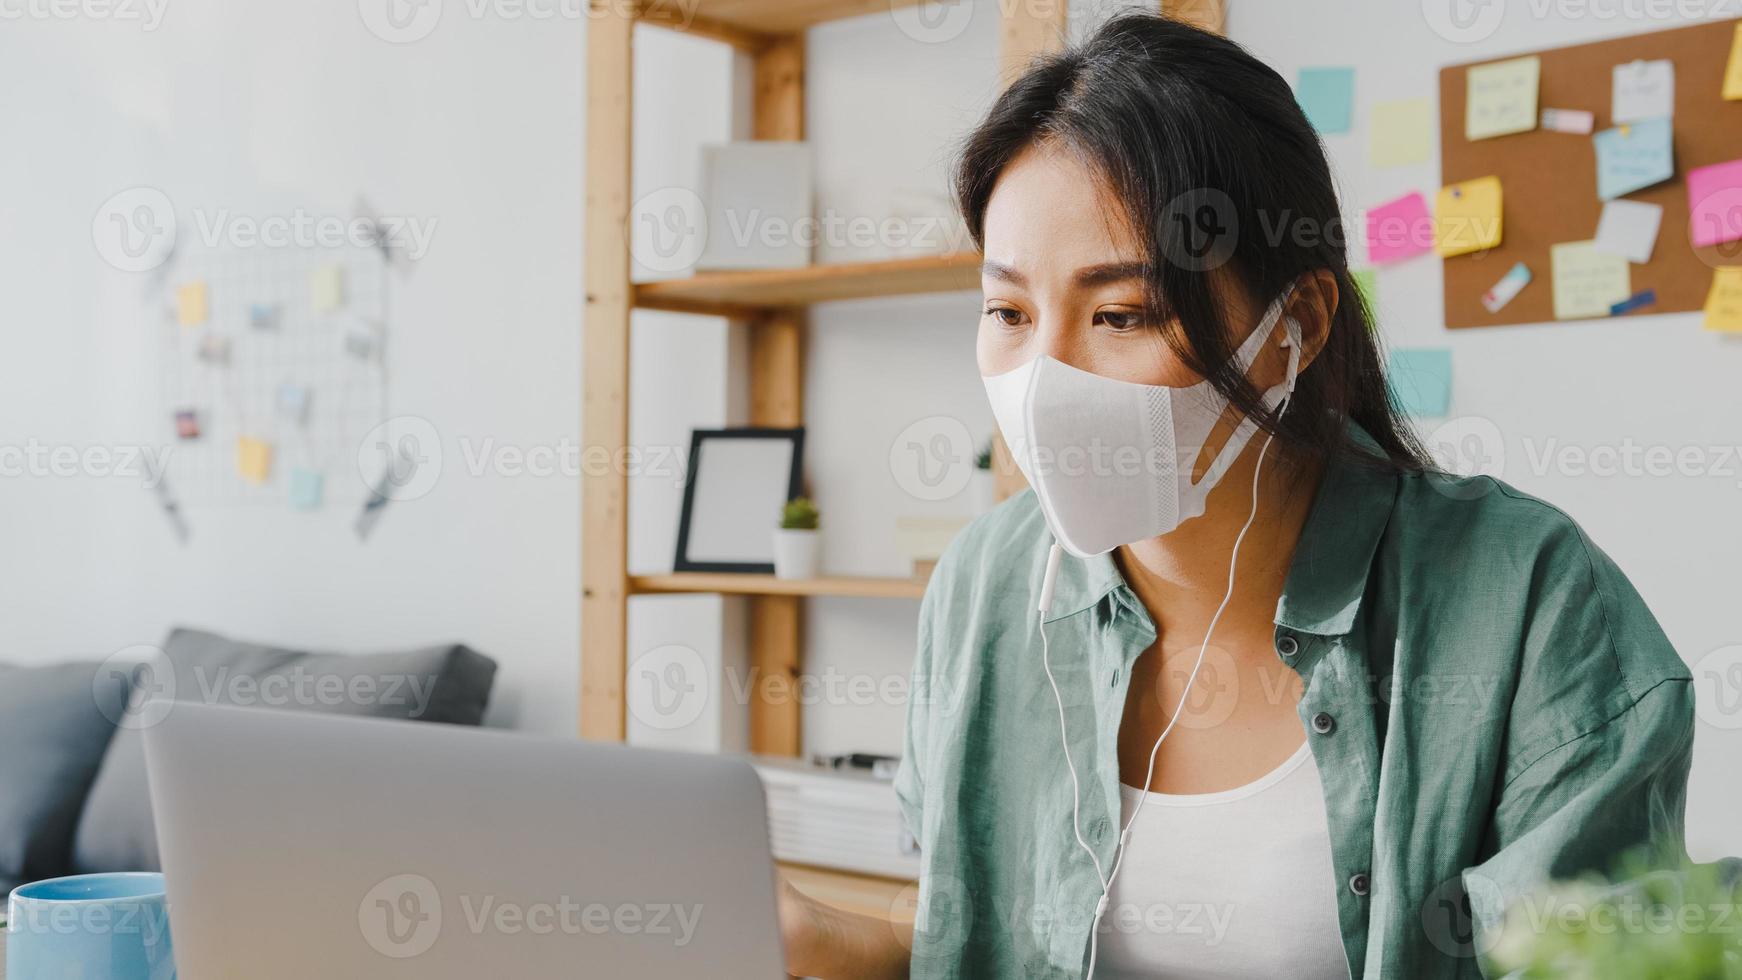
(1733, 73)
(1502, 98)
(1587, 282)
(1467, 217)
(1402, 133)
(1724, 302)
(253, 459)
(327, 289)
(190, 304)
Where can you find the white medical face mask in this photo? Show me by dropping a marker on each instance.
(1110, 461)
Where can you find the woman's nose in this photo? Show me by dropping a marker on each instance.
(1052, 341)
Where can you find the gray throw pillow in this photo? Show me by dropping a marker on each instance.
(448, 684)
(55, 723)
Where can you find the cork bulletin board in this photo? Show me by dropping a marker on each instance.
(1549, 179)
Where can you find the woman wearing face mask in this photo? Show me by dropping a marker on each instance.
(1342, 709)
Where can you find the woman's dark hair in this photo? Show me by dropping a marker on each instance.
(1219, 173)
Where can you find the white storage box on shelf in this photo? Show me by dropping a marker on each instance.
(836, 818)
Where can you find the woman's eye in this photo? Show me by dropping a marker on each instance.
(1122, 321)
(1005, 315)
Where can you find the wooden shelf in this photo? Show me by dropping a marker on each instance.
(772, 303)
(736, 583)
(750, 24)
(749, 293)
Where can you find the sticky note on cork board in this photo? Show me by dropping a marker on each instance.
(1588, 281)
(1550, 178)
(1467, 217)
(1724, 302)
(1502, 98)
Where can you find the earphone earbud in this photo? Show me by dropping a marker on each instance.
(1292, 341)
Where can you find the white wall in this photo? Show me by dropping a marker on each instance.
(480, 125)
(259, 108)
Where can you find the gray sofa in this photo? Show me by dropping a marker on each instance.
(73, 795)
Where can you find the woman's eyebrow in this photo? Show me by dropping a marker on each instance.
(1003, 273)
(1112, 272)
(1094, 275)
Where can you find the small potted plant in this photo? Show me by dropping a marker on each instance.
(795, 541)
(982, 488)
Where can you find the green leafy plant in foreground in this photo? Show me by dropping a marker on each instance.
(1682, 924)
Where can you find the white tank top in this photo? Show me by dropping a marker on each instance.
(1228, 886)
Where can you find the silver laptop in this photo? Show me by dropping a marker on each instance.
(299, 846)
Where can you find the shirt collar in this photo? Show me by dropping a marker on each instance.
(1328, 576)
(1329, 573)
(1082, 583)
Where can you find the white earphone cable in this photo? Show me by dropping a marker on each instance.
(1064, 740)
(1107, 878)
(1143, 797)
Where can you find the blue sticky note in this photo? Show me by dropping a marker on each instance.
(1634, 157)
(1421, 381)
(306, 489)
(1328, 96)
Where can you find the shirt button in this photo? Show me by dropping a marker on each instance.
(1114, 680)
(1358, 883)
(1287, 645)
(1324, 724)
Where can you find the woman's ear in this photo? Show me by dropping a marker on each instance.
(1306, 315)
(1312, 306)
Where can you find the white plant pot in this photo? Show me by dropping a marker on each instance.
(982, 491)
(796, 553)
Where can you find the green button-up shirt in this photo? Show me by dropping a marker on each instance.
(1495, 706)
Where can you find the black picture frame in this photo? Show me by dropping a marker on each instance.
(794, 488)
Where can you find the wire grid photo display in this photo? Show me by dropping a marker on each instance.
(273, 373)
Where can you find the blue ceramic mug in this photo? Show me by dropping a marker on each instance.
(90, 927)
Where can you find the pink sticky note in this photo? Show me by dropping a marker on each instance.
(1715, 203)
(1399, 230)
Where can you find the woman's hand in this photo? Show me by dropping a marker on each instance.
(828, 943)
(800, 932)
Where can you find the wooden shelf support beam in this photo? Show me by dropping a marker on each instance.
(1211, 15)
(1029, 30)
(605, 378)
(777, 399)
